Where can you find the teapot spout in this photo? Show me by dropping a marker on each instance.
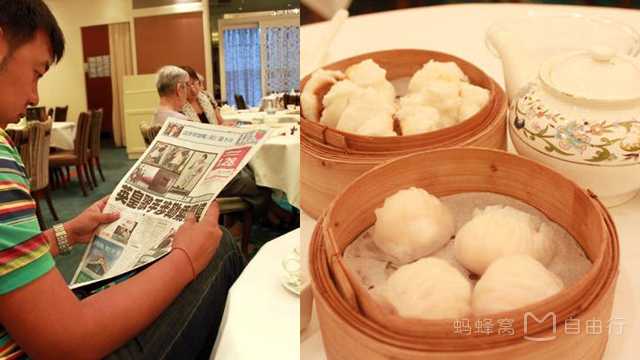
(518, 64)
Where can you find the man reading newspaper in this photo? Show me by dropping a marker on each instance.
(185, 167)
(170, 309)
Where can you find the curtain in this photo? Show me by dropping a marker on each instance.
(121, 65)
(282, 58)
(242, 65)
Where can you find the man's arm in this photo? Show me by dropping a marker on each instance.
(47, 320)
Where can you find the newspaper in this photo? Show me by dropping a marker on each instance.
(182, 171)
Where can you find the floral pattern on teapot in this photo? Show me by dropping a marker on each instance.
(595, 142)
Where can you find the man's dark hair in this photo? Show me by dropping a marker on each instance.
(21, 19)
(191, 71)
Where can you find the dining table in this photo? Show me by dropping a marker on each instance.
(277, 164)
(461, 30)
(62, 133)
(261, 317)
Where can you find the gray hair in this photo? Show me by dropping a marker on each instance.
(168, 78)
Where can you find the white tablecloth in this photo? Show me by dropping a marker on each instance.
(261, 319)
(62, 133)
(460, 30)
(277, 164)
(259, 116)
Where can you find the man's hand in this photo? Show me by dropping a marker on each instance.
(200, 240)
(81, 228)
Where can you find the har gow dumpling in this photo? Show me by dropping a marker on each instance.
(412, 224)
(498, 231)
(512, 282)
(429, 289)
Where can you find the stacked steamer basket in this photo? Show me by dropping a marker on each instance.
(354, 326)
(331, 159)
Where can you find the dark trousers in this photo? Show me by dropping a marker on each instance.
(188, 328)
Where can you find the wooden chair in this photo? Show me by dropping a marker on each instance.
(227, 205)
(79, 156)
(35, 156)
(149, 132)
(60, 115)
(94, 145)
(240, 103)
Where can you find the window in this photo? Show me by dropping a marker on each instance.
(260, 55)
(242, 65)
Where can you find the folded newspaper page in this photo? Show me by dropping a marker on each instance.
(183, 170)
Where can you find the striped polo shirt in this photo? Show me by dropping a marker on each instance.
(24, 251)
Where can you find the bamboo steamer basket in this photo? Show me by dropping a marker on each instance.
(354, 326)
(331, 159)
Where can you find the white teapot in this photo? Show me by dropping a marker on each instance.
(578, 112)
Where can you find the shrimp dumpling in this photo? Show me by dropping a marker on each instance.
(429, 288)
(512, 282)
(412, 224)
(498, 231)
(369, 74)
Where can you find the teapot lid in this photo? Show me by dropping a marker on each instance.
(597, 74)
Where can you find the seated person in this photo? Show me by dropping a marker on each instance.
(172, 84)
(199, 106)
(170, 309)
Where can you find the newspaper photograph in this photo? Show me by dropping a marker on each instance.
(183, 170)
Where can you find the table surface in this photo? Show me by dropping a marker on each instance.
(62, 133)
(277, 163)
(261, 318)
(460, 30)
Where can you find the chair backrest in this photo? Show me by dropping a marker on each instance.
(35, 155)
(50, 113)
(96, 128)
(36, 113)
(240, 103)
(60, 114)
(81, 142)
(149, 132)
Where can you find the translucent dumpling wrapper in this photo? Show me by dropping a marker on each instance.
(513, 282)
(474, 98)
(336, 101)
(417, 119)
(412, 224)
(498, 231)
(436, 71)
(429, 288)
(318, 84)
